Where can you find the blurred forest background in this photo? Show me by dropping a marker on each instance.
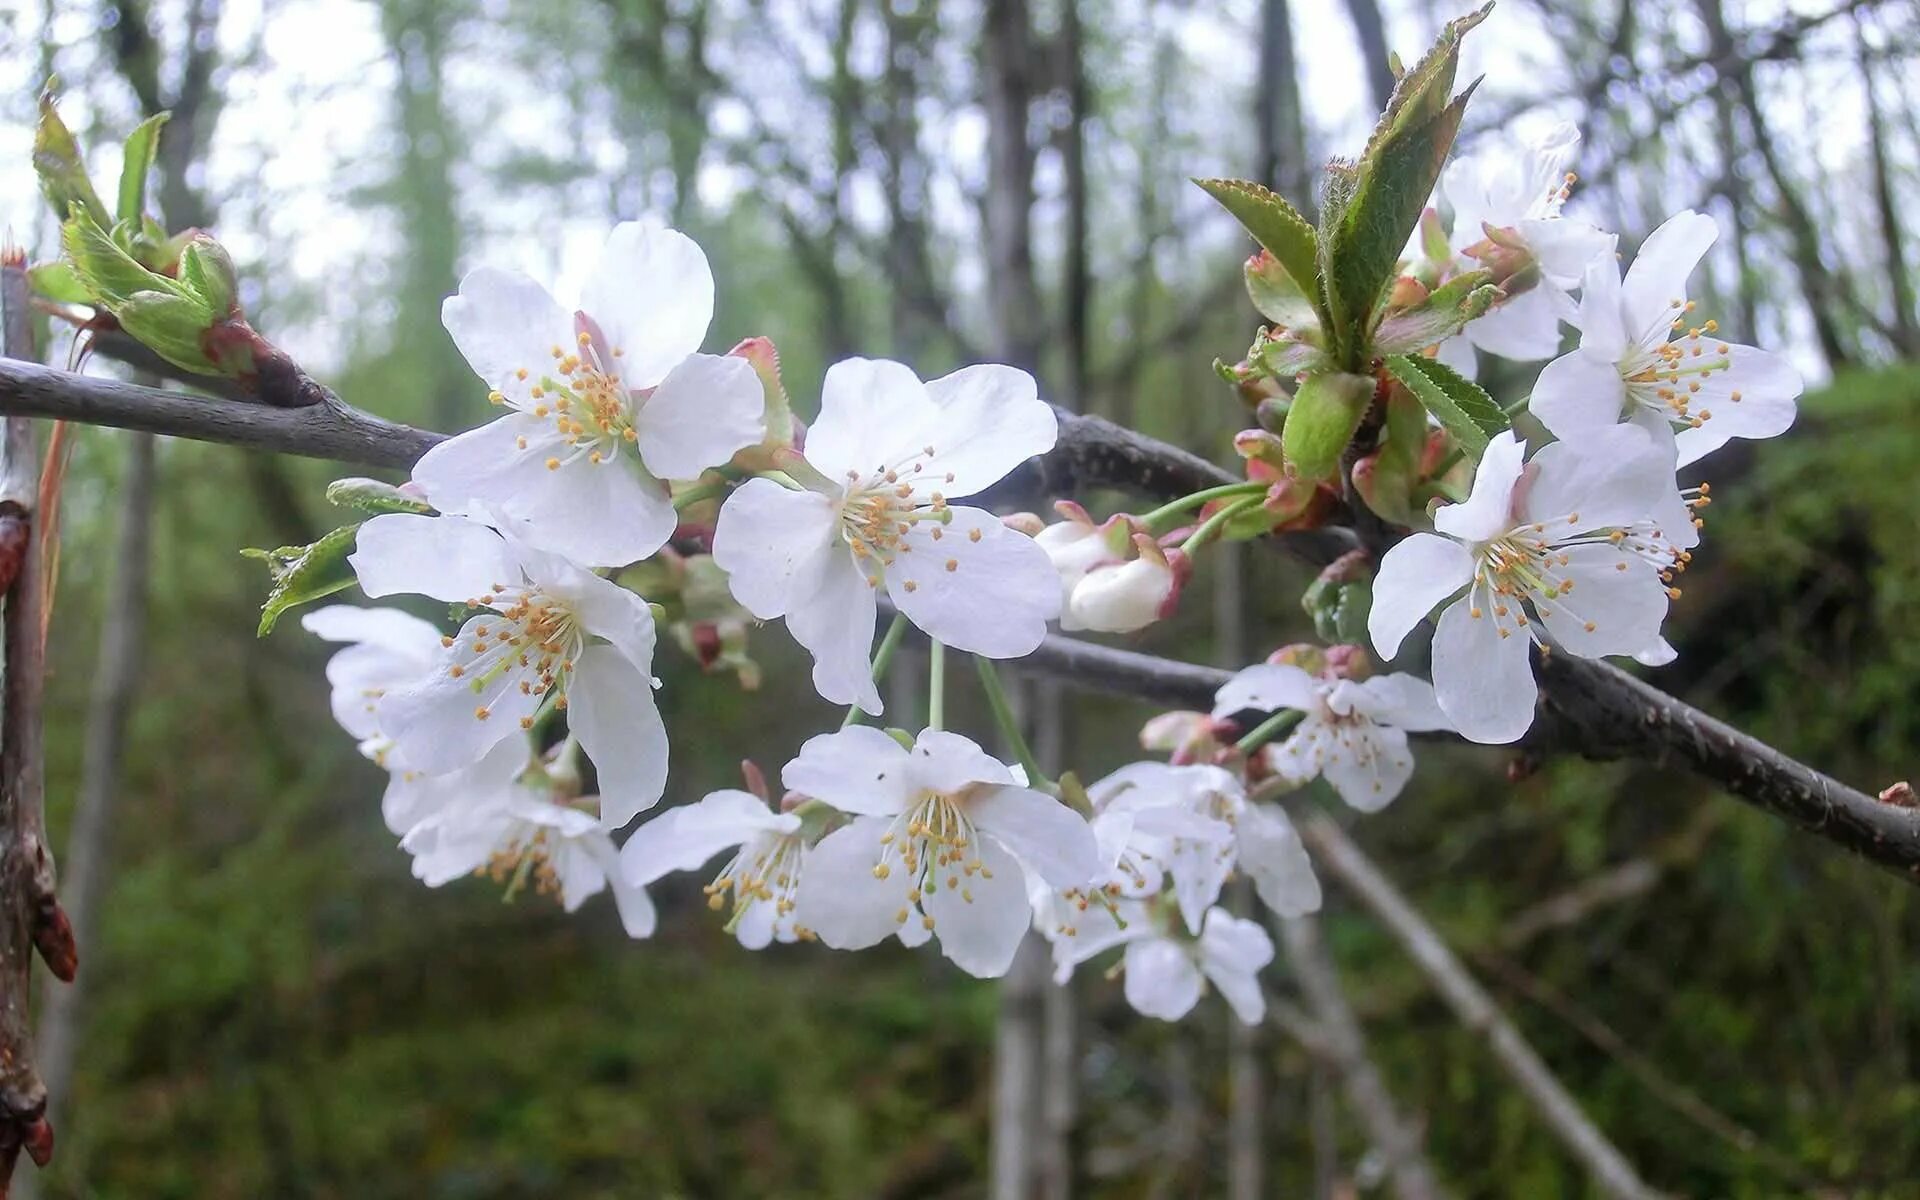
(270, 1006)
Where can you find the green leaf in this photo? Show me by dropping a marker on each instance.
(103, 264)
(170, 325)
(1423, 92)
(302, 574)
(1276, 225)
(1441, 315)
(1326, 409)
(1461, 406)
(374, 496)
(206, 272)
(57, 160)
(143, 145)
(1278, 297)
(59, 282)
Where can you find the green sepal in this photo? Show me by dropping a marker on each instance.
(374, 496)
(1462, 406)
(143, 146)
(302, 574)
(1442, 314)
(59, 282)
(1326, 410)
(58, 163)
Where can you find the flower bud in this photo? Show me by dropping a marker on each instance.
(1130, 596)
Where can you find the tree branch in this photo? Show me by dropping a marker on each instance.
(1341, 858)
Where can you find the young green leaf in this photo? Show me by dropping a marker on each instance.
(1441, 315)
(56, 159)
(59, 282)
(1276, 225)
(1277, 297)
(143, 145)
(1458, 403)
(302, 574)
(373, 496)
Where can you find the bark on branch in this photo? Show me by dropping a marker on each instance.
(1590, 708)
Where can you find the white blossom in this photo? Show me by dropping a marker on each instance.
(547, 633)
(1125, 597)
(1354, 732)
(887, 455)
(1569, 546)
(941, 838)
(762, 877)
(1640, 361)
(608, 401)
(1519, 191)
(1166, 970)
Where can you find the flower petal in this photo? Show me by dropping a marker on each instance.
(1368, 765)
(979, 586)
(1267, 687)
(505, 323)
(399, 633)
(981, 919)
(839, 897)
(1161, 979)
(1233, 951)
(1401, 700)
(1525, 328)
(989, 420)
(1415, 574)
(1273, 857)
(1766, 386)
(1577, 394)
(1604, 479)
(652, 296)
(1488, 509)
(610, 708)
(683, 838)
(1564, 246)
(832, 615)
(946, 762)
(1602, 318)
(706, 408)
(447, 558)
(436, 725)
(1048, 838)
(1655, 289)
(1199, 871)
(1484, 681)
(871, 411)
(858, 769)
(1616, 606)
(767, 538)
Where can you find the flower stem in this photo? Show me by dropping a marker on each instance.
(1269, 729)
(698, 492)
(1210, 528)
(937, 686)
(881, 657)
(1176, 507)
(1009, 727)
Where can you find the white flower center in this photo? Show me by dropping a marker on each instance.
(537, 640)
(1664, 377)
(936, 845)
(766, 870)
(878, 513)
(582, 394)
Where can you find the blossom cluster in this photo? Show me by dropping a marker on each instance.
(628, 468)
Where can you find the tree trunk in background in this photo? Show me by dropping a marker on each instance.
(1906, 337)
(1282, 126)
(919, 310)
(1371, 30)
(1006, 78)
(1077, 284)
(116, 681)
(1018, 1053)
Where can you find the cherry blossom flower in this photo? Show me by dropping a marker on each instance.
(525, 838)
(886, 456)
(1129, 596)
(1354, 731)
(1520, 195)
(1262, 843)
(547, 633)
(762, 877)
(1166, 971)
(1566, 546)
(607, 402)
(942, 835)
(388, 648)
(1640, 361)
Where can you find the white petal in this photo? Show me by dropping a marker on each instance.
(1767, 385)
(436, 723)
(1267, 687)
(1161, 979)
(1604, 479)
(991, 595)
(447, 558)
(1142, 783)
(399, 633)
(683, 838)
(990, 420)
(1273, 857)
(1415, 574)
(1199, 871)
(1457, 352)
(766, 538)
(1484, 682)
(360, 675)
(839, 898)
(1400, 700)
(981, 920)
(1525, 328)
(610, 709)
(503, 323)
(1045, 835)
(706, 408)
(856, 770)
(1369, 765)
(607, 610)
(1617, 592)
(1659, 654)
(1655, 290)
(637, 914)
(946, 762)
(832, 615)
(1488, 508)
(1233, 951)
(1120, 599)
(1577, 394)
(1602, 318)
(870, 411)
(580, 874)
(652, 295)
(1564, 247)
